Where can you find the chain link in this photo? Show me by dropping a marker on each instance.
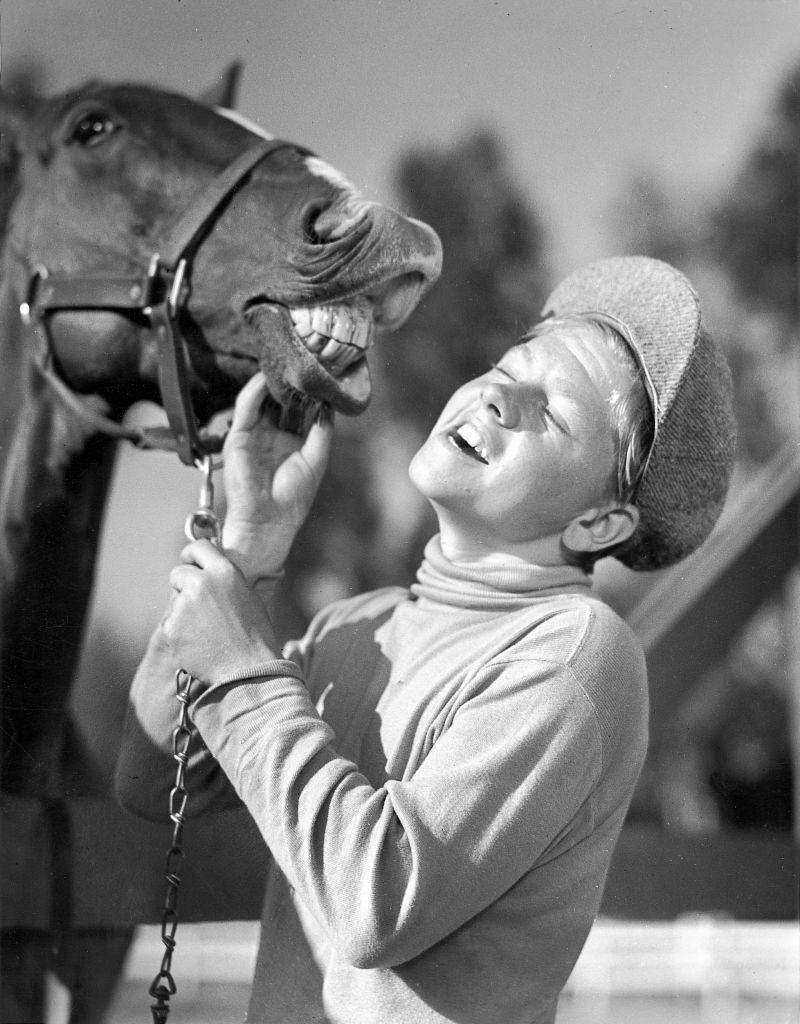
(163, 985)
(203, 522)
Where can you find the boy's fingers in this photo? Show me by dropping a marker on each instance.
(247, 410)
(180, 576)
(201, 553)
(316, 448)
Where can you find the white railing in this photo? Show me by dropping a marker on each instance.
(702, 969)
(693, 956)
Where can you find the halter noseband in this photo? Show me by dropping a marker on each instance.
(159, 295)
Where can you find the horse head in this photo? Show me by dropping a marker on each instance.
(290, 269)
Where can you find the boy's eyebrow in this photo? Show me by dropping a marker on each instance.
(501, 369)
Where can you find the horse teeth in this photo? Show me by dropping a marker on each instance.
(316, 342)
(337, 335)
(361, 333)
(330, 351)
(343, 325)
(322, 319)
(301, 318)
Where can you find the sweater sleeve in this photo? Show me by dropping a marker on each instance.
(146, 767)
(388, 872)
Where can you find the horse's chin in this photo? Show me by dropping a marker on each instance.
(301, 380)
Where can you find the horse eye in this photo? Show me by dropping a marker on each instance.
(91, 129)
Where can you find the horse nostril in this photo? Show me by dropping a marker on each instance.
(310, 216)
(325, 223)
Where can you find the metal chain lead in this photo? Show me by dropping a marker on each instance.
(202, 523)
(163, 985)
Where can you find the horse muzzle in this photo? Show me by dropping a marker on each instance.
(359, 269)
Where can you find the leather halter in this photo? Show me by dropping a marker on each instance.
(159, 295)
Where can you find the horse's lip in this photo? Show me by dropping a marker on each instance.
(341, 379)
(331, 337)
(396, 299)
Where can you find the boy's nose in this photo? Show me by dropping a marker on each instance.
(501, 403)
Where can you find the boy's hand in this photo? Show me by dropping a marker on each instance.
(214, 623)
(271, 478)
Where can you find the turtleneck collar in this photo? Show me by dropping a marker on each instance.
(503, 584)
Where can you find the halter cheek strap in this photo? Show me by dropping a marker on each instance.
(159, 295)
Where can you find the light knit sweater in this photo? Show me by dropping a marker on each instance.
(441, 775)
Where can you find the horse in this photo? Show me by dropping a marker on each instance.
(156, 248)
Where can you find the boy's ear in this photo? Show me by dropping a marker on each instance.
(598, 528)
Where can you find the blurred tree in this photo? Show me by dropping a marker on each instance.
(757, 222)
(369, 526)
(755, 240)
(741, 250)
(493, 281)
(650, 221)
(726, 760)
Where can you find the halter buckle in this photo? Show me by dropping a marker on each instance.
(164, 285)
(27, 309)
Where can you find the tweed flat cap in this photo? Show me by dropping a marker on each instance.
(683, 488)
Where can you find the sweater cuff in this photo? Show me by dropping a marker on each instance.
(272, 669)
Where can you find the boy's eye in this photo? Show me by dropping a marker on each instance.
(555, 419)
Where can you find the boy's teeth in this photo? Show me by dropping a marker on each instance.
(337, 335)
(471, 436)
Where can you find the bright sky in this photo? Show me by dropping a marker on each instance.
(583, 92)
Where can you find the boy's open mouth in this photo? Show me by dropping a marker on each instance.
(467, 439)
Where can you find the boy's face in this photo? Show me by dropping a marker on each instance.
(522, 450)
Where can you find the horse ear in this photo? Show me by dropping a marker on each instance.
(225, 91)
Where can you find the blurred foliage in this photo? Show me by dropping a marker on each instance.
(756, 224)
(726, 760)
(741, 250)
(753, 237)
(650, 221)
(369, 526)
(493, 281)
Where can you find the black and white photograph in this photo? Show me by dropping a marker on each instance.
(400, 512)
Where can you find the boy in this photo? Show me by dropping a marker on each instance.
(441, 773)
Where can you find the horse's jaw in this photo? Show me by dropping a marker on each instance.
(340, 378)
(298, 382)
(318, 354)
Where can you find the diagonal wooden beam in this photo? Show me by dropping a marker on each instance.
(750, 512)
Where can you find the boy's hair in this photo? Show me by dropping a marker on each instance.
(684, 481)
(631, 416)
